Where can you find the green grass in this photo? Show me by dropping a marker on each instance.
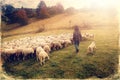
(65, 63)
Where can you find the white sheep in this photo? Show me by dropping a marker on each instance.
(86, 34)
(7, 53)
(47, 48)
(54, 42)
(91, 48)
(18, 53)
(67, 42)
(41, 55)
(26, 52)
(56, 45)
(91, 36)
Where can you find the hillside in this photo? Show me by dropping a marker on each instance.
(64, 21)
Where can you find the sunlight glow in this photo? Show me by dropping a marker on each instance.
(66, 3)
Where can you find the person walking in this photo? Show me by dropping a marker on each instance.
(77, 37)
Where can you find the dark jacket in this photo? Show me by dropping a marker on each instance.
(77, 37)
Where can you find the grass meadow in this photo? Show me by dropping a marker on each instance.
(65, 63)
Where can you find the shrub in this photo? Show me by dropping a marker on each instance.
(41, 29)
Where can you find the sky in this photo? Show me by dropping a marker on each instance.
(66, 3)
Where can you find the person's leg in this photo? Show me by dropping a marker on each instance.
(76, 47)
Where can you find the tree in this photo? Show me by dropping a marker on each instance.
(70, 10)
(7, 13)
(11, 15)
(42, 10)
(60, 8)
(30, 13)
(57, 9)
(52, 10)
(21, 16)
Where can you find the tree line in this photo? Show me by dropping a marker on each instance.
(21, 15)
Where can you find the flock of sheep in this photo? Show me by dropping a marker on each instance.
(37, 46)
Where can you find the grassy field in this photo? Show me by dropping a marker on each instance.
(65, 63)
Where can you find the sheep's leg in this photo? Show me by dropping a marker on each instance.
(14, 57)
(94, 49)
(48, 57)
(18, 57)
(41, 61)
(65, 45)
(8, 58)
(24, 57)
(58, 47)
(37, 58)
(55, 48)
(32, 54)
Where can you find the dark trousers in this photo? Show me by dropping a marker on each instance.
(76, 44)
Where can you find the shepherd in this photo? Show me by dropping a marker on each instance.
(77, 38)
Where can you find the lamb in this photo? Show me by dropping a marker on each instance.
(41, 55)
(91, 48)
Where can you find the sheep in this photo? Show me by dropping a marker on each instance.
(8, 54)
(86, 34)
(62, 42)
(91, 36)
(47, 48)
(84, 37)
(67, 42)
(91, 48)
(71, 39)
(41, 55)
(56, 45)
(26, 52)
(18, 53)
(48, 43)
